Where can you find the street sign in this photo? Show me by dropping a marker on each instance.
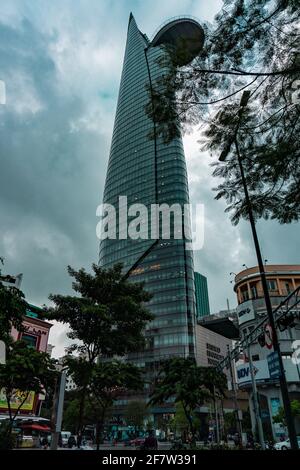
(273, 363)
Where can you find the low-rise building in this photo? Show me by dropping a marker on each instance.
(282, 280)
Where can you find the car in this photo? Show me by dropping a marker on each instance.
(285, 445)
(65, 437)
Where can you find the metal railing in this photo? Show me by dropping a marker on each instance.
(285, 308)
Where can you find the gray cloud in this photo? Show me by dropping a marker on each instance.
(61, 61)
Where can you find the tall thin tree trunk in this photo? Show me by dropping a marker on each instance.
(99, 430)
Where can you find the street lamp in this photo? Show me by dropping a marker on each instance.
(282, 378)
(58, 405)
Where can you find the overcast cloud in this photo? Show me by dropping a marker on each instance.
(61, 62)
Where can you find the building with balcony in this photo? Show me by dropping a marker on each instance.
(283, 283)
(35, 334)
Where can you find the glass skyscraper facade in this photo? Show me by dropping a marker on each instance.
(149, 171)
(201, 291)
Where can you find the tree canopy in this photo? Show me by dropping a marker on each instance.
(107, 316)
(12, 309)
(189, 385)
(25, 371)
(254, 46)
(135, 413)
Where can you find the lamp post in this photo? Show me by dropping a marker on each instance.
(57, 412)
(276, 346)
(237, 411)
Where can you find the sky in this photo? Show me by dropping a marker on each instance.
(61, 62)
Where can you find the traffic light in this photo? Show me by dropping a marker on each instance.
(288, 321)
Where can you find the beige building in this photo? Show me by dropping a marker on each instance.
(211, 347)
(282, 280)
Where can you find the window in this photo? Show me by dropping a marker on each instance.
(272, 284)
(253, 292)
(287, 287)
(255, 357)
(245, 294)
(30, 340)
(286, 355)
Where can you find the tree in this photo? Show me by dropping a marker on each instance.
(135, 414)
(12, 309)
(230, 423)
(72, 412)
(103, 383)
(25, 371)
(251, 46)
(189, 384)
(107, 318)
(109, 381)
(180, 422)
(280, 416)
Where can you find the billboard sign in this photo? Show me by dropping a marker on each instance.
(261, 372)
(245, 312)
(273, 364)
(17, 399)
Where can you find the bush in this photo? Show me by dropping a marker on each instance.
(7, 439)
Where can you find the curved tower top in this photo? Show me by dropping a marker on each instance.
(181, 30)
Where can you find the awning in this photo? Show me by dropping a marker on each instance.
(35, 427)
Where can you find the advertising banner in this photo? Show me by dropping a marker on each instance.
(261, 372)
(245, 312)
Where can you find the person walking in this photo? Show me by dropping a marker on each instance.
(150, 442)
(79, 440)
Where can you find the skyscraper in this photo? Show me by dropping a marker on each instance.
(149, 171)
(201, 291)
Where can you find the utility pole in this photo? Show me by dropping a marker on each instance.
(276, 346)
(58, 409)
(235, 399)
(256, 403)
(217, 418)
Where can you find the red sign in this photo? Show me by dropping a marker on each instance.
(268, 336)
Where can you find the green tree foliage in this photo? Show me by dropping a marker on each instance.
(252, 45)
(109, 381)
(12, 308)
(190, 385)
(135, 414)
(71, 413)
(26, 370)
(107, 318)
(180, 424)
(280, 417)
(230, 426)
